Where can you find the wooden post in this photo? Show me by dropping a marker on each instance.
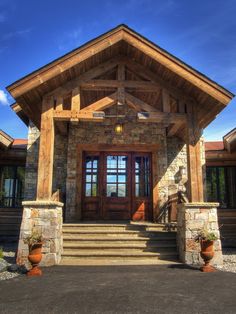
(121, 90)
(195, 178)
(46, 149)
(75, 103)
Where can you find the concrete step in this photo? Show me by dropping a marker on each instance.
(227, 212)
(9, 238)
(118, 254)
(113, 227)
(116, 241)
(7, 226)
(116, 262)
(115, 233)
(119, 246)
(10, 219)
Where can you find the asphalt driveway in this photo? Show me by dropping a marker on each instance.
(120, 289)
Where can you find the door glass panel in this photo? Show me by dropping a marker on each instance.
(91, 175)
(111, 190)
(142, 176)
(116, 178)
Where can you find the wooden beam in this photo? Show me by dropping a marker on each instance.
(59, 103)
(121, 89)
(86, 76)
(165, 100)
(195, 178)
(75, 103)
(154, 78)
(113, 84)
(182, 106)
(101, 104)
(178, 68)
(161, 117)
(66, 115)
(138, 104)
(63, 64)
(46, 148)
(173, 129)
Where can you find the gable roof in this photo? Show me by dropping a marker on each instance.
(230, 141)
(29, 90)
(5, 140)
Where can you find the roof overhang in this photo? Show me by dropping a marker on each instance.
(5, 140)
(32, 82)
(230, 141)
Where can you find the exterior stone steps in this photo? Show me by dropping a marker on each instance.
(226, 212)
(10, 219)
(115, 262)
(119, 246)
(117, 243)
(119, 254)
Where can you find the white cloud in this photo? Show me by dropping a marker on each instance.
(4, 98)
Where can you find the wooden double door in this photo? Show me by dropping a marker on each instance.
(117, 186)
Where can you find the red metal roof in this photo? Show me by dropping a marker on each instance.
(19, 143)
(219, 145)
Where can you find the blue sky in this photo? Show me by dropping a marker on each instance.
(201, 33)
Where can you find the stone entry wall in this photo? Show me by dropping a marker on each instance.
(191, 218)
(44, 217)
(171, 154)
(31, 167)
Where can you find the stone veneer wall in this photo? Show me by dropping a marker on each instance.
(44, 217)
(60, 163)
(177, 157)
(31, 168)
(171, 154)
(192, 217)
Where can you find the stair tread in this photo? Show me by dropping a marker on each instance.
(102, 262)
(120, 245)
(115, 253)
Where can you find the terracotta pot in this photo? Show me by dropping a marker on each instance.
(34, 257)
(207, 253)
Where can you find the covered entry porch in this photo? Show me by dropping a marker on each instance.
(161, 106)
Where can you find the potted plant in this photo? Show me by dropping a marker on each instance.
(35, 243)
(206, 240)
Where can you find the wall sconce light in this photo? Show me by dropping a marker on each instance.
(118, 128)
(182, 171)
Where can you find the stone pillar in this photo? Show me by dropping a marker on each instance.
(44, 217)
(191, 218)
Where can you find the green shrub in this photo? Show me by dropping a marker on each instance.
(1, 252)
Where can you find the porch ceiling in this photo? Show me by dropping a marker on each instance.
(121, 42)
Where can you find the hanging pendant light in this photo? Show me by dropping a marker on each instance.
(118, 128)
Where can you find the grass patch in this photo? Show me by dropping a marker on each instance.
(1, 252)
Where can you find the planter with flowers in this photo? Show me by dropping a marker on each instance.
(35, 242)
(206, 240)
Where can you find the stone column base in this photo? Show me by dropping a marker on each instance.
(45, 217)
(190, 218)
